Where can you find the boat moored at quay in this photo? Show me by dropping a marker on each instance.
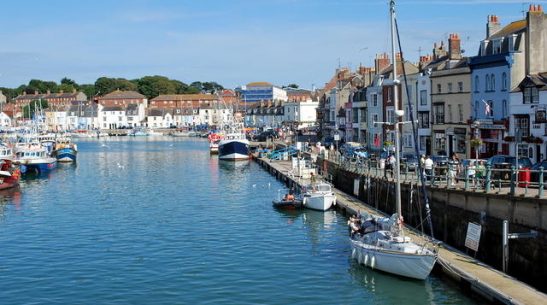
(234, 146)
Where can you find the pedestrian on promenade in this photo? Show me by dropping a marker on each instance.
(453, 169)
(428, 168)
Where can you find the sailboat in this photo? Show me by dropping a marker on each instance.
(380, 243)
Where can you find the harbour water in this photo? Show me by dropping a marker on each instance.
(160, 221)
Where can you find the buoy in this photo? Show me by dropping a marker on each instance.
(366, 259)
(373, 262)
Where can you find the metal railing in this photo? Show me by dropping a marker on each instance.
(506, 181)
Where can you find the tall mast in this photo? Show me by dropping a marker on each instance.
(396, 112)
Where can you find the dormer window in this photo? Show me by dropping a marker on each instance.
(531, 95)
(496, 46)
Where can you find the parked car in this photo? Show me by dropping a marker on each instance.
(534, 175)
(501, 166)
(410, 162)
(265, 135)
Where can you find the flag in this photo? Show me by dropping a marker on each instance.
(376, 141)
(487, 108)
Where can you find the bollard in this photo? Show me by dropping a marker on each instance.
(466, 178)
(540, 191)
(488, 175)
(513, 181)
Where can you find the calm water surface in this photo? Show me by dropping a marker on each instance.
(159, 221)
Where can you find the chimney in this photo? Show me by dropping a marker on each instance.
(493, 25)
(454, 50)
(48, 92)
(535, 41)
(381, 62)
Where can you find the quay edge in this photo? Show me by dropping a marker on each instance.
(470, 274)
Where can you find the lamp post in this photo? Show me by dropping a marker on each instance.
(476, 133)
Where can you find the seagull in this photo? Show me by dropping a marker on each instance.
(119, 165)
(104, 145)
(254, 185)
(170, 145)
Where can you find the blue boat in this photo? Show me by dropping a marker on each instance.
(33, 157)
(65, 150)
(234, 146)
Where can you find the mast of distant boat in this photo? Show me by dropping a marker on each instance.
(397, 112)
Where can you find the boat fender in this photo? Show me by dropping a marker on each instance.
(366, 259)
(353, 253)
(360, 258)
(373, 262)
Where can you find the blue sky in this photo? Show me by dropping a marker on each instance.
(232, 42)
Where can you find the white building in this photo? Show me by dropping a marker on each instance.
(5, 120)
(302, 113)
(112, 117)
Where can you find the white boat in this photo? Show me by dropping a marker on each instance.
(234, 146)
(213, 147)
(319, 197)
(380, 243)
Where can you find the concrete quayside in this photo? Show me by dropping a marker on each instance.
(471, 274)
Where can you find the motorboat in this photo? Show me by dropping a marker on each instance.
(234, 146)
(319, 196)
(9, 174)
(288, 201)
(65, 150)
(32, 156)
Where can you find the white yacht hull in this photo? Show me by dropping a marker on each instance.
(319, 202)
(417, 266)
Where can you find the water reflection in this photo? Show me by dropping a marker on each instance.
(234, 165)
(10, 196)
(389, 289)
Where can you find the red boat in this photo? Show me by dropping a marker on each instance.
(9, 174)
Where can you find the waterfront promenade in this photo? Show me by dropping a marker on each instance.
(470, 273)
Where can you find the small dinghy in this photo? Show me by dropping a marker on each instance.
(289, 201)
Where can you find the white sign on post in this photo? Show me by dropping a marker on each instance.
(473, 236)
(336, 137)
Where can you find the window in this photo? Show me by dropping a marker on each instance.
(450, 113)
(390, 116)
(523, 123)
(493, 82)
(504, 108)
(439, 88)
(449, 87)
(374, 118)
(423, 142)
(423, 97)
(438, 114)
(487, 83)
(476, 83)
(375, 100)
(460, 86)
(104, 119)
(522, 150)
(531, 95)
(423, 119)
(504, 81)
(460, 113)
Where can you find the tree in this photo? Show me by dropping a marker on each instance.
(294, 86)
(105, 85)
(68, 81)
(152, 86)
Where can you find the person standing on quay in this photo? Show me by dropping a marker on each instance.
(428, 167)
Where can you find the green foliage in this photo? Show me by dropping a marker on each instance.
(105, 85)
(294, 86)
(150, 86)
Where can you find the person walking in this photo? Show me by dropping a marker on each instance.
(428, 167)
